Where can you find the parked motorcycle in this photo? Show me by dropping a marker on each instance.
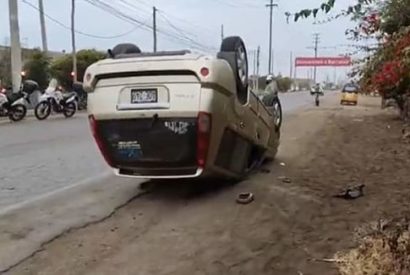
(81, 95)
(56, 101)
(14, 105)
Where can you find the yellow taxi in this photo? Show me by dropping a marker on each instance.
(350, 94)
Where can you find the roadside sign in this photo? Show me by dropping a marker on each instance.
(323, 61)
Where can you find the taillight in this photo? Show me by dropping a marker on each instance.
(204, 124)
(94, 131)
(204, 71)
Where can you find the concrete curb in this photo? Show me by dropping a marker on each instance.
(26, 227)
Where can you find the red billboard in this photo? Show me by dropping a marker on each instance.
(323, 61)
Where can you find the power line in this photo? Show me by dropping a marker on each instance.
(77, 31)
(193, 24)
(117, 13)
(183, 33)
(237, 4)
(130, 19)
(179, 30)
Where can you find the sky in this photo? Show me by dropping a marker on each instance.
(187, 24)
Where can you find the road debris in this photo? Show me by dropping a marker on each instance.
(338, 261)
(284, 179)
(282, 164)
(245, 198)
(351, 193)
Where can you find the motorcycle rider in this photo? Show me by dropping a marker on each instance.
(271, 91)
(316, 91)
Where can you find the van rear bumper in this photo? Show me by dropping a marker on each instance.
(161, 173)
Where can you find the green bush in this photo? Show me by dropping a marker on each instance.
(37, 68)
(62, 67)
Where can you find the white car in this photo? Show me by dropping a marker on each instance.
(179, 114)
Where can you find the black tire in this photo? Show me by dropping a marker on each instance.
(17, 112)
(277, 112)
(42, 110)
(235, 44)
(124, 48)
(69, 109)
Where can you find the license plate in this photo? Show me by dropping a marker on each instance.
(144, 96)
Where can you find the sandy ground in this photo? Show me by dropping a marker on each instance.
(197, 228)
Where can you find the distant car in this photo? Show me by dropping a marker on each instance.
(350, 94)
(178, 114)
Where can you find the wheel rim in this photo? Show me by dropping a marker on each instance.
(70, 109)
(18, 112)
(242, 64)
(43, 109)
(277, 113)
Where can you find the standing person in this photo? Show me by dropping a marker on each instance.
(271, 91)
(270, 99)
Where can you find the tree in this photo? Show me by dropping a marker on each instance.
(327, 6)
(62, 67)
(284, 83)
(37, 68)
(5, 68)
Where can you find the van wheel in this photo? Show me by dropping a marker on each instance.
(235, 44)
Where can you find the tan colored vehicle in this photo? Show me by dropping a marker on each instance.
(179, 114)
(350, 94)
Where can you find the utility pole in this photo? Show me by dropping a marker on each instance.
(273, 62)
(271, 5)
(222, 32)
(257, 67)
(43, 26)
(15, 47)
(74, 53)
(316, 37)
(290, 65)
(154, 27)
(258, 52)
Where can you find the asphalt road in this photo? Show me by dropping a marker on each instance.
(37, 157)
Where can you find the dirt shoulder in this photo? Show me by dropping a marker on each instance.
(187, 228)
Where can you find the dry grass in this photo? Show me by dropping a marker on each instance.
(384, 248)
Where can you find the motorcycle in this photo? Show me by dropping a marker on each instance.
(14, 105)
(317, 99)
(317, 92)
(56, 101)
(81, 95)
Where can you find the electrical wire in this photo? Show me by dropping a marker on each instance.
(121, 15)
(80, 32)
(238, 4)
(205, 28)
(182, 32)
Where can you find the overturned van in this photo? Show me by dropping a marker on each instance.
(178, 114)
